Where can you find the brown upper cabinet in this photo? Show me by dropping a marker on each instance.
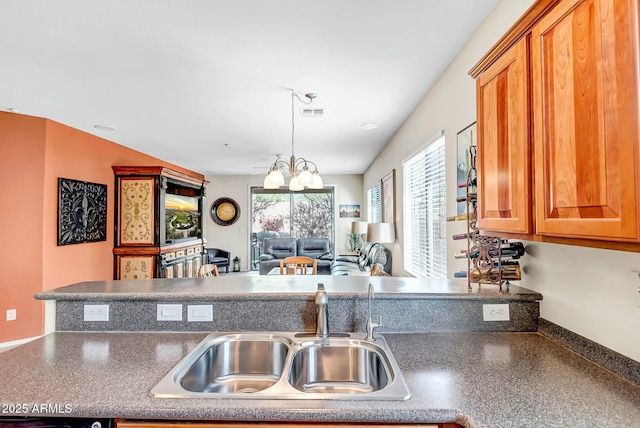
(503, 129)
(558, 125)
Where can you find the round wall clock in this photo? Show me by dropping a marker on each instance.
(225, 211)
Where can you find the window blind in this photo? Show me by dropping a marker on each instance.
(374, 205)
(425, 233)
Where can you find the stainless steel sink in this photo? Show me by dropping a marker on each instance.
(286, 366)
(352, 368)
(237, 364)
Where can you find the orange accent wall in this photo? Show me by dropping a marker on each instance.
(22, 143)
(35, 153)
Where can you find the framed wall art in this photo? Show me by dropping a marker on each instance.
(82, 212)
(349, 211)
(466, 138)
(388, 190)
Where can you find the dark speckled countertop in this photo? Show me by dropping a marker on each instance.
(255, 287)
(474, 379)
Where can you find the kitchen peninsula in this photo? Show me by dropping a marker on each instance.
(464, 375)
(275, 303)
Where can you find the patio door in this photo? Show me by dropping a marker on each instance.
(281, 213)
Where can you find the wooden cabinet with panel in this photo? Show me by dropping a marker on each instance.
(182, 263)
(503, 143)
(585, 93)
(581, 130)
(159, 223)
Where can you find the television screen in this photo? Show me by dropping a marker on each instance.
(182, 217)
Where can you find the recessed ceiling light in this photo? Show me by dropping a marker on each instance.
(369, 126)
(104, 128)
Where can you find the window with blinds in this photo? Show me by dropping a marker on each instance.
(425, 226)
(374, 205)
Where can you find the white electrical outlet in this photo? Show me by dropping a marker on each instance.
(11, 314)
(166, 312)
(199, 313)
(96, 312)
(495, 312)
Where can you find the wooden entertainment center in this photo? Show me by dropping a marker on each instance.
(158, 223)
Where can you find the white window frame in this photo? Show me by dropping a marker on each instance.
(424, 209)
(374, 204)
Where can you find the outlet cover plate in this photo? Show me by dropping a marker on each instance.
(169, 312)
(96, 312)
(199, 313)
(11, 314)
(495, 312)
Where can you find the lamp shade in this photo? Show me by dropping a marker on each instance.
(359, 227)
(317, 182)
(382, 233)
(294, 184)
(305, 178)
(274, 179)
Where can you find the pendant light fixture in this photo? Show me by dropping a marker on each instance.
(298, 169)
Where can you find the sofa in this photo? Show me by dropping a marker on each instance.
(369, 254)
(276, 249)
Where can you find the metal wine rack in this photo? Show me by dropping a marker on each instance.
(487, 265)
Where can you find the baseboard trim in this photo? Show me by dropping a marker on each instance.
(5, 346)
(607, 358)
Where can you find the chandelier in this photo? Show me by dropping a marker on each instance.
(298, 169)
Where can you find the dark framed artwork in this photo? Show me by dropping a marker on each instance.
(82, 212)
(388, 197)
(465, 139)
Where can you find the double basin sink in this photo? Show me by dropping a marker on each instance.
(286, 366)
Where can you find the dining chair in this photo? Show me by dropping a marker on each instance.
(300, 264)
(208, 270)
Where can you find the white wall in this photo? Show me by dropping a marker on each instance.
(591, 292)
(235, 238)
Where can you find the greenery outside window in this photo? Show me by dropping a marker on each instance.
(424, 195)
(281, 213)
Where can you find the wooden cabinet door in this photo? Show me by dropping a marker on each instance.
(504, 184)
(585, 93)
(135, 267)
(136, 211)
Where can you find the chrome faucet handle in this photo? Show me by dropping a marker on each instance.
(370, 324)
(322, 312)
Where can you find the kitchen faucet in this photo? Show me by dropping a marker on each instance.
(322, 312)
(370, 324)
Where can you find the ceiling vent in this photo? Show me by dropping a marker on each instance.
(312, 112)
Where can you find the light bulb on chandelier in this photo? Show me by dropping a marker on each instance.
(298, 169)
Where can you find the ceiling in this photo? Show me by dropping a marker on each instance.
(206, 84)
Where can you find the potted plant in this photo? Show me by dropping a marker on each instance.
(354, 242)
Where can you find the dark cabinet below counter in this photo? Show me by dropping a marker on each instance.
(164, 424)
(29, 422)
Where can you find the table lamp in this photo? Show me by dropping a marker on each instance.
(359, 228)
(381, 233)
